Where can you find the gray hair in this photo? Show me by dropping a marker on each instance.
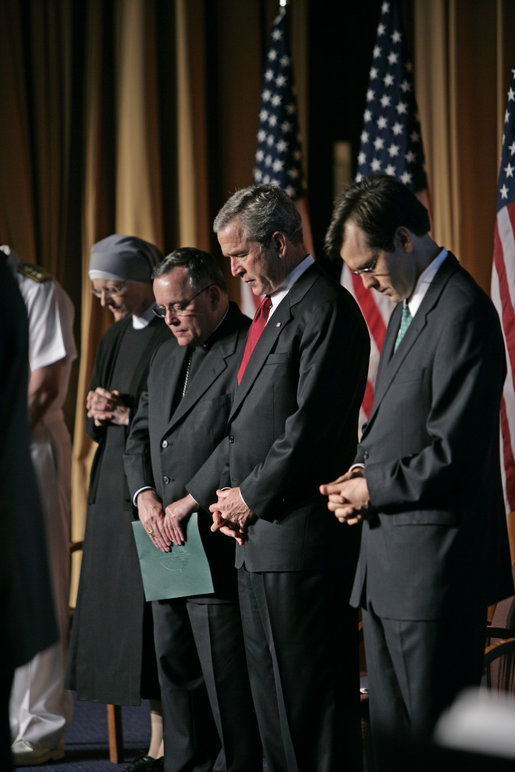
(262, 210)
(201, 266)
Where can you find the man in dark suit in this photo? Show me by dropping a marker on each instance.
(26, 602)
(180, 419)
(426, 479)
(306, 374)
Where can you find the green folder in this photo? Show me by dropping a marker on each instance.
(176, 574)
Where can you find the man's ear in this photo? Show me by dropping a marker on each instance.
(214, 295)
(279, 243)
(404, 238)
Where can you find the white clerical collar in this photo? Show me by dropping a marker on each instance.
(424, 280)
(139, 322)
(288, 283)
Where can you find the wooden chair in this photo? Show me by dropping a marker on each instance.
(499, 646)
(114, 712)
(115, 733)
(499, 661)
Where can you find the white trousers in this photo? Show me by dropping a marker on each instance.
(40, 707)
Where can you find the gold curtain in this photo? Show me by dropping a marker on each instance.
(192, 126)
(464, 51)
(35, 86)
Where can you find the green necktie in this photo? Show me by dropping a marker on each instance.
(405, 323)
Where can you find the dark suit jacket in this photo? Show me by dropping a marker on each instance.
(293, 425)
(26, 600)
(431, 455)
(165, 449)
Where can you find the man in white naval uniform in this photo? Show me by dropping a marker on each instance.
(40, 707)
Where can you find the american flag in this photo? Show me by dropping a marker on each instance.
(279, 148)
(391, 143)
(503, 290)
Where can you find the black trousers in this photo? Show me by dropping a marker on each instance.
(301, 640)
(208, 716)
(415, 670)
(6, 679)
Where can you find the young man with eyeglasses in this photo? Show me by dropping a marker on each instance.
(426, 479)
(208, 716)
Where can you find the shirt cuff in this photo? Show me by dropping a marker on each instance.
(145, 488)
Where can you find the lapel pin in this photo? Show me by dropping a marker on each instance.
(278, 324)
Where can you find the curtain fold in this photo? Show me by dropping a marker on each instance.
(435, 86)
(462, 65)
(138, 171)
(192, 126)
(35, 91)
(16, 201)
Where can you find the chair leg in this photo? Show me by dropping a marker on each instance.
(115, 732)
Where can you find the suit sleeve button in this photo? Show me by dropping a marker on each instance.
(166, 480)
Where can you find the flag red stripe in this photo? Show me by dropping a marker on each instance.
(503, 265)
(506, 312)
(509, 460)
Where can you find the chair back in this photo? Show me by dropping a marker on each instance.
(499, 660)
(500, 646)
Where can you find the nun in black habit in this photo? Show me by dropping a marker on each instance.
(112, 657)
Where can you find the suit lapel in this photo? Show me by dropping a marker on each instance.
(213, 363)
(171, 382)
(390, 363)
(274, 328)
(389, 340)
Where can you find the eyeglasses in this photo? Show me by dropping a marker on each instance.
(113, 289)
(178, 308)
(368, 268)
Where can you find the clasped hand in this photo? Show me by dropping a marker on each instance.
(106, 406)
(231, 516)
(164, 526)
(348, 497)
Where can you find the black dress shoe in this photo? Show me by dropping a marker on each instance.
(146, 764)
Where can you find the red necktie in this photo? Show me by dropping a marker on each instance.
(255, 330)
